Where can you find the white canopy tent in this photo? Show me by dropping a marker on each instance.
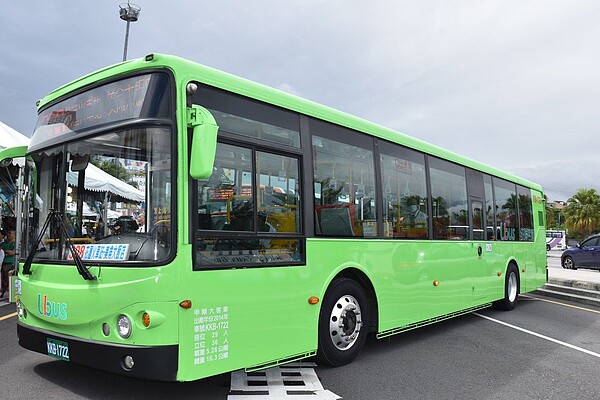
(99, 181)
(95, 179)
(88, 212)
(9, 137)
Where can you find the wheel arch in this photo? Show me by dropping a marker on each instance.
(359, 276)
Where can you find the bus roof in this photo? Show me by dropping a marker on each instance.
(185, 71)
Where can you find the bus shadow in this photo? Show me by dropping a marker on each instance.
(90, 383)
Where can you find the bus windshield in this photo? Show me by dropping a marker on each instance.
(113, 197)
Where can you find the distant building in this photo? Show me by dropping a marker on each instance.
(557, 219)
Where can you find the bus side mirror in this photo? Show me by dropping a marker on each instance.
(80, 163)
(204, 141)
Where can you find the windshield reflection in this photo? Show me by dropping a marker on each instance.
(113, 193)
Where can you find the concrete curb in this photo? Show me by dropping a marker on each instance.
(575, 283)
(575, 290)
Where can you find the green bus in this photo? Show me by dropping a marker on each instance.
(254, 227)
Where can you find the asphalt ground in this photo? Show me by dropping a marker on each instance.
(544, 349)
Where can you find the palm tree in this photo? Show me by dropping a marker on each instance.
(582, 212)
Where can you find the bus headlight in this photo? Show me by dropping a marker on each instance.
(124, 326)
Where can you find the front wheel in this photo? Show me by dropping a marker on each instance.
(568, 263)
(511, 290)
(343, 322)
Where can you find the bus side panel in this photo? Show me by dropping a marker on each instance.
(246, 317)
(413, 280)
(241, 318)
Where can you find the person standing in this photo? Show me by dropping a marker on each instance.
(8, 264)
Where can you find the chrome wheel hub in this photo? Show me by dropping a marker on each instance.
(345, 322)
(512, 287)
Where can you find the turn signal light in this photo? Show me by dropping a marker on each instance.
(436, 283)
(146, 319)
(313, 300)
(186, 304)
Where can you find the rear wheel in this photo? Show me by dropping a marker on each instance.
(511, 290)
(343, 322)
(568, 263)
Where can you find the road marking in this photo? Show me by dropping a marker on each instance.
(591, 353)
(296, 381)
(8, 316)
(561, 304)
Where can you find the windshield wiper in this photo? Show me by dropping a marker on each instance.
(57, 216)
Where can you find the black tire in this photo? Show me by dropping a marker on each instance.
(547, 247)
(343, 322)
(511, 290)
(568, 263)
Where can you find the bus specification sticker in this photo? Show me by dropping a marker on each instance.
(117, 252)
(211, 334)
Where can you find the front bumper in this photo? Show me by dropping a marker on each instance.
(151, 362)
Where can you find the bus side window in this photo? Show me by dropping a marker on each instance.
(506, 210)
(449, 195)
(343, 182)
(405, 200)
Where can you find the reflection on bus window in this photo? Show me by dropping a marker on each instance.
(526, 231)
(449, 195)
(506, 210)
(254, 215)
(112, 194)
(344, 184)
(489, 208)
(405, 193)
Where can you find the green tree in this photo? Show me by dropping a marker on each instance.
(114, 168)
(582, 212)
(511, 204)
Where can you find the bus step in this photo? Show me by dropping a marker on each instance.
(297, 381)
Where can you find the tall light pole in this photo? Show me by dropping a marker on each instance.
(130, 13)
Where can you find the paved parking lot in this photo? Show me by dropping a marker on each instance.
(544, 349)
(541, 350)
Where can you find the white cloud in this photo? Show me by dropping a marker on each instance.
(511, 83)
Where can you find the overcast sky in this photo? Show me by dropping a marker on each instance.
(515, 84)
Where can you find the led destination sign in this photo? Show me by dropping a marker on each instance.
(144, 96)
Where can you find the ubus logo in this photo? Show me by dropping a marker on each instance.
(52, 309)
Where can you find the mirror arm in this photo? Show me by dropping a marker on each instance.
(198, 115)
